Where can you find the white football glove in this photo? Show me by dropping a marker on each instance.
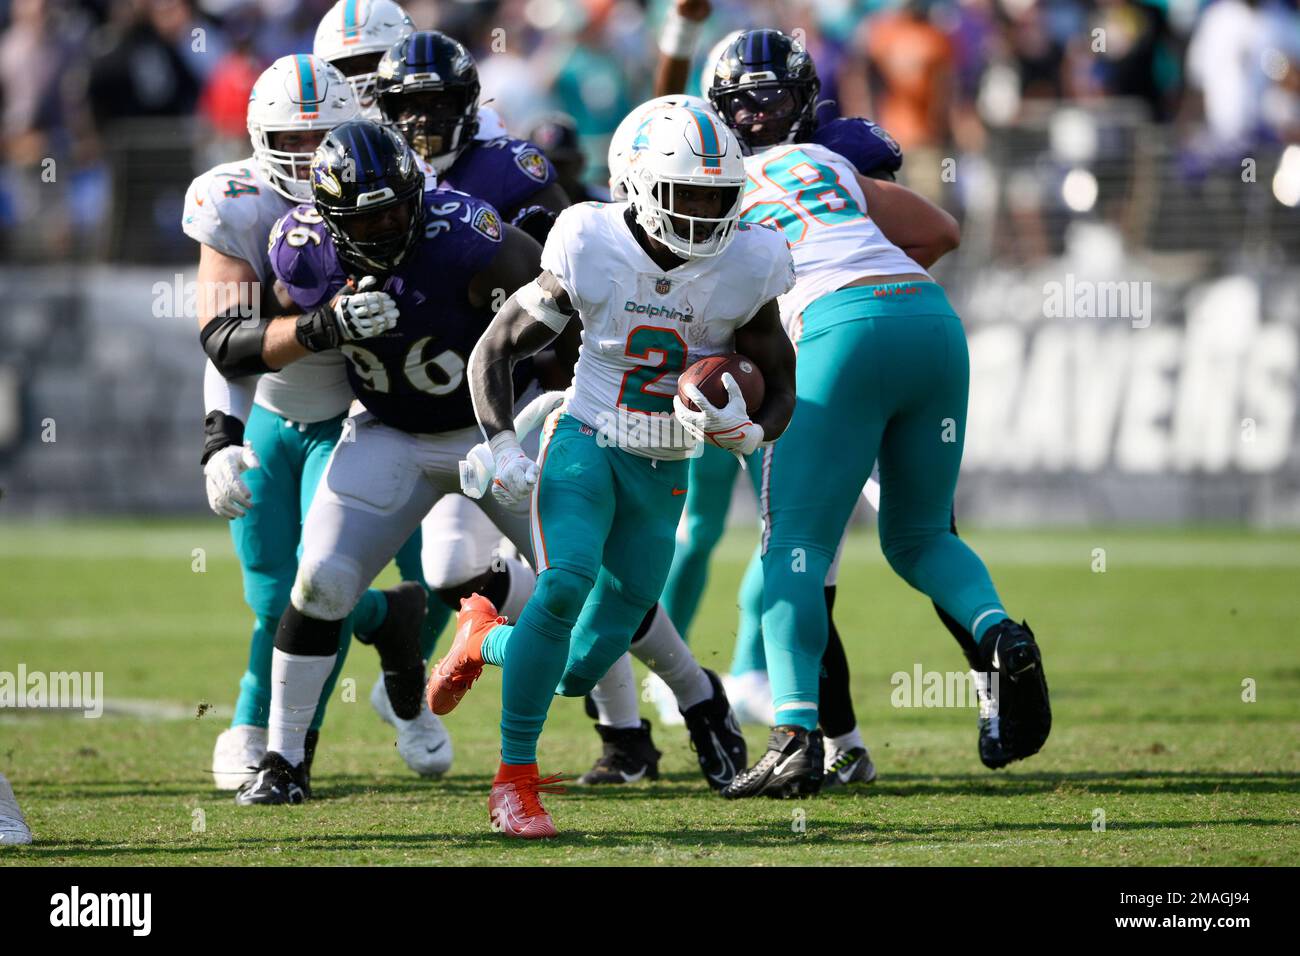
(365, 312)
(228, 496)
(516, 473)
(727, 427)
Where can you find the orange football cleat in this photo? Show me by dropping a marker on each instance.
(456, 673)
(515, 806)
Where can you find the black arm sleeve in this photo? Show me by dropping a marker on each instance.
(234, 343)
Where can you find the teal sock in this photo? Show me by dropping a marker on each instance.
(407, 559)
(987, 618)
(369, 612)
(795, 631)
(253, 707)
(539, 651)
(805, 717)
(494, 645)
(749, 654)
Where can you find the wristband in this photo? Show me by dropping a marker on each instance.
(317, 331)
(679, 36)
(220, 431)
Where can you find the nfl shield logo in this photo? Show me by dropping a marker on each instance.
(662, 286)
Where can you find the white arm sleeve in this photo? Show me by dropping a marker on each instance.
(220, 394)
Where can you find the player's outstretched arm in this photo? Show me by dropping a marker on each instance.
(677, 45)
(766, 344)
(910, 221)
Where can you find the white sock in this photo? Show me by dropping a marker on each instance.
(848, 741)
(522, 582)
(615, 696)
(296, 684)
(664, 652)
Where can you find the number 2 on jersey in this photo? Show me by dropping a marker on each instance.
(636, 393)
(820, 199)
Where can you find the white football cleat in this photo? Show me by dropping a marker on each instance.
(750, 695)
(13, 828)
(423, 742)
(235, 757)
(655, 691)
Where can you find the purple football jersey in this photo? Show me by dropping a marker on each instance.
(864, 144)
(413, 376)
(505, 172)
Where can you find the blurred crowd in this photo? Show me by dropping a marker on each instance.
(84, 82)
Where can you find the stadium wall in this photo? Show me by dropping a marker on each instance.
(1155, 400)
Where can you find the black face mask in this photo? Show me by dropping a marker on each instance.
(382, 251)
(432, 122)
(774, 109)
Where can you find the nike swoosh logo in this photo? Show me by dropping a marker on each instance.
(728, 771)
(632, 777)
(780, 768)
(678, 491)
(434, 750)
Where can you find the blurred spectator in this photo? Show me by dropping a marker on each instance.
(1224, 69)
(48, 148)
(900, 71)
(224, 100)
(1126, 52)
(140, 69)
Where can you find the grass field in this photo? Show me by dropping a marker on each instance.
(1146, 663)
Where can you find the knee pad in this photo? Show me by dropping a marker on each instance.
(328, 589)
(562, 593)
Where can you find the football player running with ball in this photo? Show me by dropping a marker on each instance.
(667, 278)
(902, 397)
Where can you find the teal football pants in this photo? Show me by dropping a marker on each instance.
(901, 400)
(604, 523)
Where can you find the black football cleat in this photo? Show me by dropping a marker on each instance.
(715, 736)
(793, 766)
(848, 766)
(1015, 712)
(277, 782)
(627, 754)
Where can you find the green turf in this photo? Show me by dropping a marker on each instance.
(1146, 663)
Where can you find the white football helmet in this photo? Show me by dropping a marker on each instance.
(682, 146)
(298, 92)
(364, 29)
(620, 144)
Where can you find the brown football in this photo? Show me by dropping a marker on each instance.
(706, 375)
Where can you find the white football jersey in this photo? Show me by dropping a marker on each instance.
(812, 195)
(232, 209)
(642, 326)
